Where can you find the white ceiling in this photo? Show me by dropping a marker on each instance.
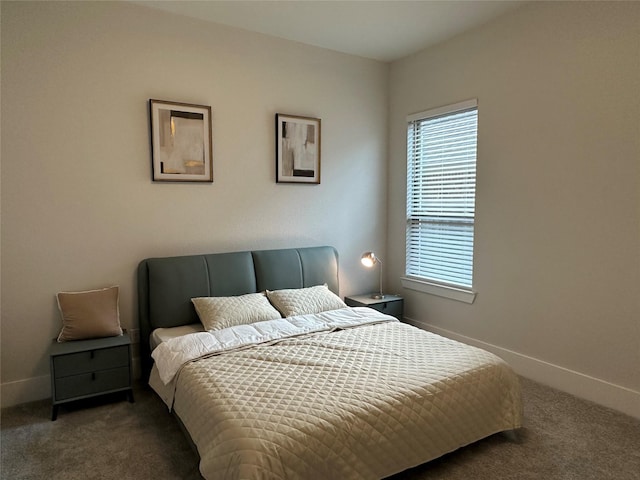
(379, 29)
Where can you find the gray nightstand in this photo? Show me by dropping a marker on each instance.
(390, 304)
(86, 368)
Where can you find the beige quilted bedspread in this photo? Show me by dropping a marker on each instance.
(361, 403)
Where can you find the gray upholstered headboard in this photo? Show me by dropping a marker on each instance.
(166, 285)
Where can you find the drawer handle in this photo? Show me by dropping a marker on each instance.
(93, 375)
(91, 355)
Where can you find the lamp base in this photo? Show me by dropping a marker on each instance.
(378, 296)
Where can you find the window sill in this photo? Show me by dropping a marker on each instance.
(453, 293)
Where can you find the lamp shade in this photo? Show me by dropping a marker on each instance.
(369, 259)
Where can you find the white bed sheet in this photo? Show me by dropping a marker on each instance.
(160, 335)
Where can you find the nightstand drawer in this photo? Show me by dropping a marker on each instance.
(390, 308)
(90, 383)
(390, 304)
(91, 361)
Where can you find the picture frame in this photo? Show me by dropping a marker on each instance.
(181, 142)
(297, 149)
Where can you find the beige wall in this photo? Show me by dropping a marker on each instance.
(557, 251)
(79, 209)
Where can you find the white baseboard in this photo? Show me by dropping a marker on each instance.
(38, 388)
(610, 395)
(26, 390)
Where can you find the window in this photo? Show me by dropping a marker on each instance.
(441, 187)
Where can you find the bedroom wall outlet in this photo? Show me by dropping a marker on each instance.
(134, 334)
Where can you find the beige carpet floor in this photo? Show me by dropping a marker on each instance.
(563, 438)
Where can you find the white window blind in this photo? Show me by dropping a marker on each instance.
(441, 188)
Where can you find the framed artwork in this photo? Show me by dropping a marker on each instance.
(181, 144)
(297, 149)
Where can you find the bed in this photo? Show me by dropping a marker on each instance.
(320, 390)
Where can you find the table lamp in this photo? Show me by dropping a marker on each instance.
(369, 259)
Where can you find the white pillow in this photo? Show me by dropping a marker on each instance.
(217, 313)
(300, 301)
